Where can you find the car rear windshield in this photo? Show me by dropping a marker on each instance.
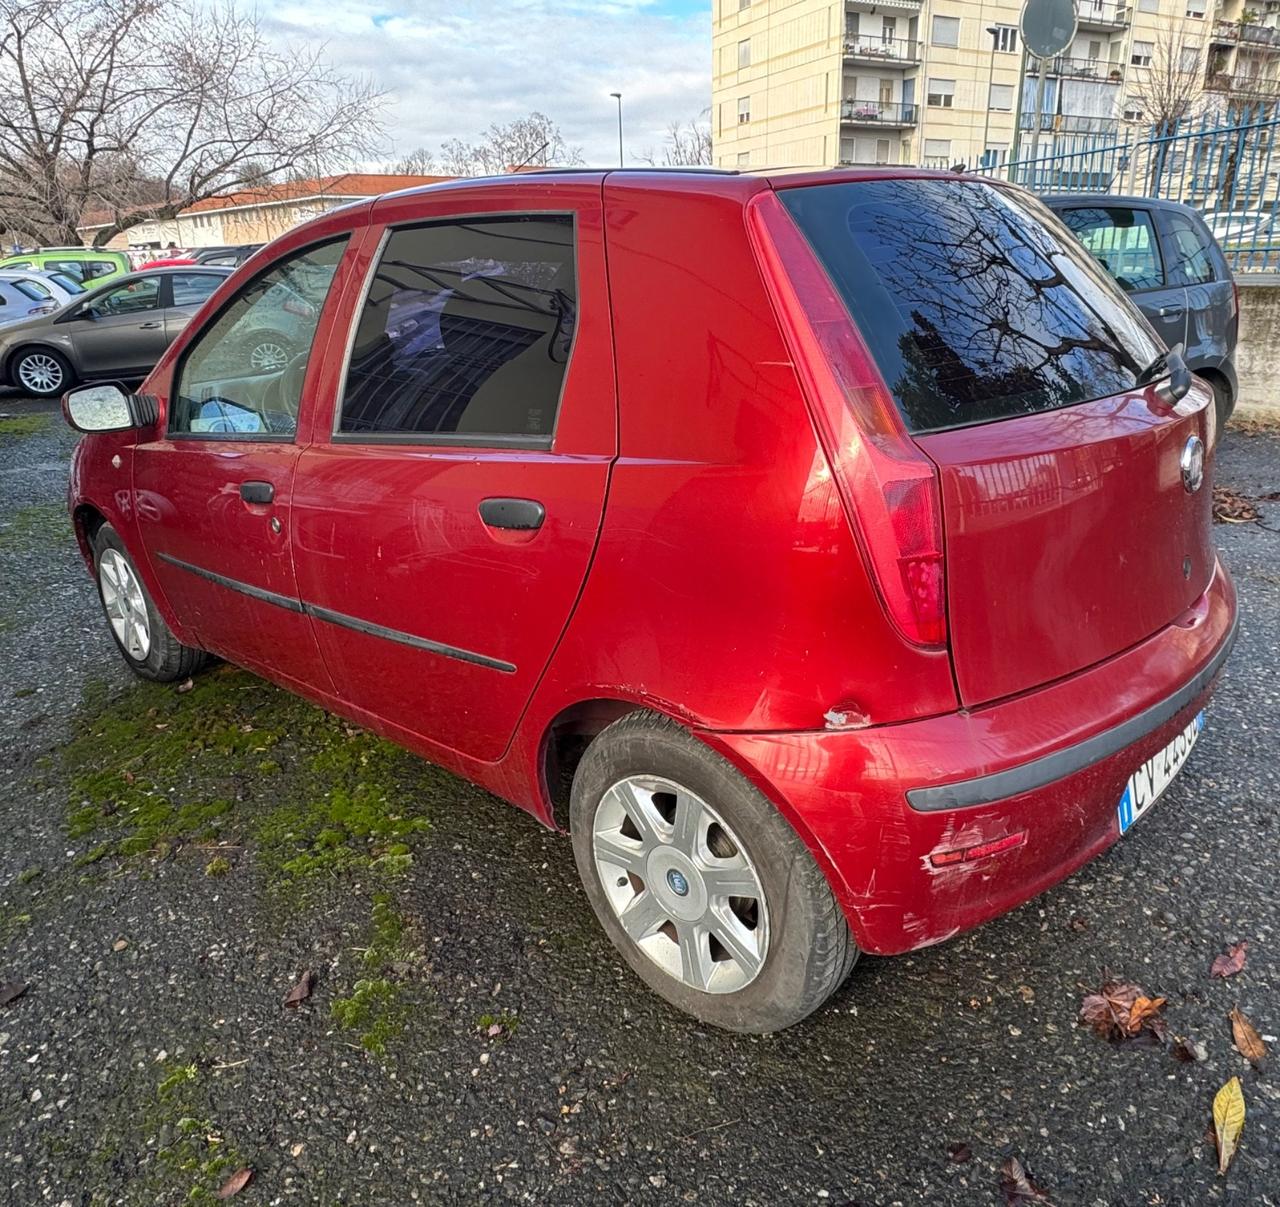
(975, 303)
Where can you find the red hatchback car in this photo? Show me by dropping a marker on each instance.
(830, 554)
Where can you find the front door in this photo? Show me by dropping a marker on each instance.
(444, 531)
(213, 491)
(121, 330)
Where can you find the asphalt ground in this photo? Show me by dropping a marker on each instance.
(171, 863)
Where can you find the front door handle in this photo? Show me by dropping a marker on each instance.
(149, 326)
(257, 492)
(1171, 312)
(523, 515)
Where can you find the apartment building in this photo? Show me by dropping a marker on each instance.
(816, 83)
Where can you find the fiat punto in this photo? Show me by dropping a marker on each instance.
(830, 555)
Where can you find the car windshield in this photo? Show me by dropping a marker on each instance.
(974, 301)
(70, 284)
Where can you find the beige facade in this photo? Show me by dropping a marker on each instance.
(816, 83)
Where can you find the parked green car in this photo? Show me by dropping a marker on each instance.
(88, 265)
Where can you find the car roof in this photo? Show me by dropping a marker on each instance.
(1056, 200)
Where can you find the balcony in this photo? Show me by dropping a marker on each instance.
(884, 114)
(868, 48)
(1243, 85)
(1102, 70)
(1229, 33)
(1101, 15)
(883, 6)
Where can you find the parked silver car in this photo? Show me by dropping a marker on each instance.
(117, 330)
(25, 292)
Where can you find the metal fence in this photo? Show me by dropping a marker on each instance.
(1230, 172)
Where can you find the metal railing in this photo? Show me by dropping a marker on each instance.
(1087, 69)
(1241, 31)
(1230, 171)
(1242, 85)
(882, 50)
(878, 113)
(1101, 12)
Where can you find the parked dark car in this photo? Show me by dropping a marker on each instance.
(225, 257)
(117, 330)
(830, 553)
(1165, 257)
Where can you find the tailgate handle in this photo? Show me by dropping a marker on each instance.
(257, 492)
(524, 515)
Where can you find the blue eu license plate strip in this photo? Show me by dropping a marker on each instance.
(1147, 784)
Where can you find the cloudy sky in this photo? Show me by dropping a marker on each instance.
(451, 68)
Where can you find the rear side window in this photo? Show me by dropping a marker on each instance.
(33, 290)
(466, 332)
(975, 302)
(1123, 241)
(191, 288)
(1193, 260)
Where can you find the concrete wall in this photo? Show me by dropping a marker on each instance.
(1258, 352)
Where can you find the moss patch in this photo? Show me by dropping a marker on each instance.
(36, 527)
(23, 425)
(375, 1006)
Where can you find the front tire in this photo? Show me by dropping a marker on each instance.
(705, 889)
(42, 372)
(145, 642)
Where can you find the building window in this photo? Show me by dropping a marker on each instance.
(942, 93)
(1148, 6)
(1140, 56)
(744, 109)
(744, 158)
(946, 31)
(1189, 58)
(882, 150)
(744, 53)
(937, 148)
(1132, 109)
(1195, 8)
(743, 4)
(1006, 39)
(1001, 97)
(996, 155)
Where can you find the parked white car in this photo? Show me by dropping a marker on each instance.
(25, 293)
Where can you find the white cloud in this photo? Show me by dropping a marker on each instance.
(452, 68)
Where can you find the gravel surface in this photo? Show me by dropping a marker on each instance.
(471, 1036)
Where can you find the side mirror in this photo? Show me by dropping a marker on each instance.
(107, 407)
(1175, 388)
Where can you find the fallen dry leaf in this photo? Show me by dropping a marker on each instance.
(302, 990)
(1248, 1042)
(494, 1029)
(1228, 1120)
(1231, 507)
(185, 686)
(235, 1183)
(120, 945)
(1018, 1186)
(1232, 962)
(1188, 1050)
(958, 1154)
(1120, 1010)
(11, 991)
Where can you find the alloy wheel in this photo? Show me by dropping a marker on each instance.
(124, 603)
(681, 884)
(40, 373)
(268, 355)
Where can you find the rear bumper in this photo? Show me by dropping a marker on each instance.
(877, 803)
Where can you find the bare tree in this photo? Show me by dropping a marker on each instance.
(1171, 89)
(139, 108)
(419, 162)
(533, 141)
(687, 144)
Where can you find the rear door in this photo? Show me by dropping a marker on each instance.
(1014, 360)
(1198, 265)
(1126, 241)
(444, 530)
(190, 291)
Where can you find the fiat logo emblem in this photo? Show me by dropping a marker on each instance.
(1192, 464)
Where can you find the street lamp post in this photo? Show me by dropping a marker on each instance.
(994, 31)
(617, 96)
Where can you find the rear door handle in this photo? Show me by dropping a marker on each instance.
(523, 515)
(257, 492)
(1171, 312)
(149, 326)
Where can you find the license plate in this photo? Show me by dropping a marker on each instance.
(1147, 784)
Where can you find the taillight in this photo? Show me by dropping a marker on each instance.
(889, 487)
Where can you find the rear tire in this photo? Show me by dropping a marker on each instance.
(746, 890)
(42, 372)
(145, 642)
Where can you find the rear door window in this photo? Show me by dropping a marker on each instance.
(1193, 257)
(976, 303)
(191, 288)
(465, 333)
(1123, 241)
